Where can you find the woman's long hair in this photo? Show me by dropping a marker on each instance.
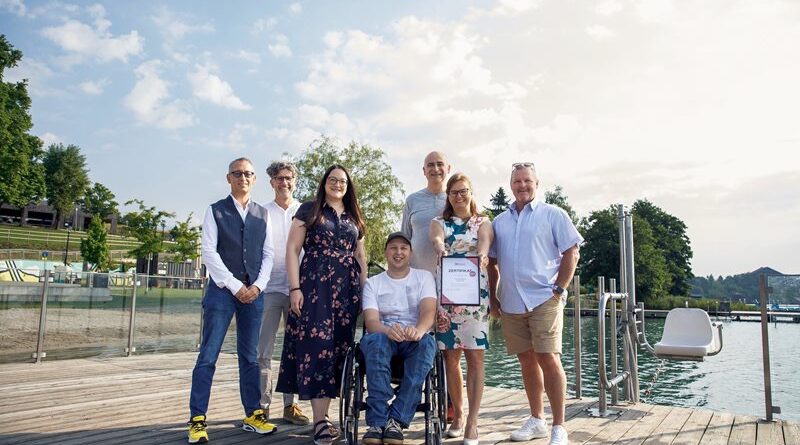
(448, 208)
(350, 201)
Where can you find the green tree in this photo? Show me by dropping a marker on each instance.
(558, 198)
(498, 203)
(99, 201)
(94, 248)
(21, 171)
(600, 253)
(187, 240)
(652, 275)
(379, 191)
(670, 238)
(143, 225)
(66, 178)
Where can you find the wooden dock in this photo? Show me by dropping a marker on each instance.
(144, 400)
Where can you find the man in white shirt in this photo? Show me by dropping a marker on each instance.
(534, 255)
(399, 308)
(282, 178)
(237, 252)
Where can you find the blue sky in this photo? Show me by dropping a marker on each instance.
(692, 105)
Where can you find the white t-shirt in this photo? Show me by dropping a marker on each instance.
(397, 301)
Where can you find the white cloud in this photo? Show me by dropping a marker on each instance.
(176, 28)
(248, 56)
(608, 7)
(49, 138)
(14, 6)
(148, 100)
(600, 32)
(280, 46)
(210, 88)
(504, 8)
(94, 87)
(36, 72)
(264, 24)
(295, 8)
(82, 40)
(655, 11)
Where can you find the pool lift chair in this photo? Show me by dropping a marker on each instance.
(689, 333)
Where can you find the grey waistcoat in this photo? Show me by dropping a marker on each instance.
(240, 244)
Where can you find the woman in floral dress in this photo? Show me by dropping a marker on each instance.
(462, 231)
(325, 295)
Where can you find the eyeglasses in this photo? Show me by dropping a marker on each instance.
(240, 173)
(517, 165)
(463, 193)
(283, 178)
(337, 181)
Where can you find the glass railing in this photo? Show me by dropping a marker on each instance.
(783, 296)
(82, 314)
(20, 311)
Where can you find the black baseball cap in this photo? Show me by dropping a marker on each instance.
(394, 235)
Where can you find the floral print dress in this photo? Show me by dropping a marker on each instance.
(316, 342)
(463, 327)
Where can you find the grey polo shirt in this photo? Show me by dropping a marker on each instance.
(420, 209)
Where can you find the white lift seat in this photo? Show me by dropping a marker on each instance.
(689, 332)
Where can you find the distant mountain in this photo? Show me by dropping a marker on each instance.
(785, 288)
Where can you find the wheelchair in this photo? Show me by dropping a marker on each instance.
(352, 399)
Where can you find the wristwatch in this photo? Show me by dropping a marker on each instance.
(558, 290)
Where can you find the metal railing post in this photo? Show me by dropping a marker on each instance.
(601, 346)
(576, 320)
(630, 289)
(770, 409)
(40, 354)
(613, 319)
(131, 326)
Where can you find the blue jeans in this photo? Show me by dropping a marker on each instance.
(378, 351)
(219, 307)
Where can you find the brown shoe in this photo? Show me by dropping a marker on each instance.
(292, 414)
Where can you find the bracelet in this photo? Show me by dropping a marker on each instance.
(293, 289)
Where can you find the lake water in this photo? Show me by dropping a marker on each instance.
(730, 381)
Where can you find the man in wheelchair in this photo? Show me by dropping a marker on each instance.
(399, 309)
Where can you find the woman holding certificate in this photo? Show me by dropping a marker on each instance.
(461, 237)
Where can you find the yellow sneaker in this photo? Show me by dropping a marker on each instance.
(197, 430)
(257, 422)
(292, 414)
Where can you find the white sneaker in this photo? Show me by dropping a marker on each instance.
(558, 436)
(533, 428)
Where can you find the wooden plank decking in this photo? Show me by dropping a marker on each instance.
(144, 400)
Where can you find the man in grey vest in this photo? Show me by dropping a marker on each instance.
(237, 252)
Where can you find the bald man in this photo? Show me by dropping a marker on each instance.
(422, 206)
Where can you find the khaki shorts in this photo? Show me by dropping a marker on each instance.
(539, 329)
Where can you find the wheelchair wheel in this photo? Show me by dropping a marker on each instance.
(434, 420)
(350, 397)
(440, 387)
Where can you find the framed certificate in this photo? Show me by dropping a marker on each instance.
(461, 281)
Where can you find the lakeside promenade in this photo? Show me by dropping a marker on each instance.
(144, 399)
